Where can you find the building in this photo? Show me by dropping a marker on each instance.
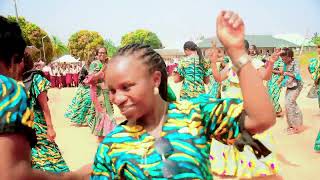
(170, 54)
(263, 42)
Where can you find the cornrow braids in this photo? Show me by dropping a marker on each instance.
(152, 59)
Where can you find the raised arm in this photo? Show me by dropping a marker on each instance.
(257, 104)
(267, 72)
(218, 76)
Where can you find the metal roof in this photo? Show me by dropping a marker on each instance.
(261, 41)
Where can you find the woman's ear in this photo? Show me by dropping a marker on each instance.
(156, 78)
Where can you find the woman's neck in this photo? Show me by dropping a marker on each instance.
(4, 71)
(153, 121)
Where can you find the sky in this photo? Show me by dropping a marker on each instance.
(174, 21)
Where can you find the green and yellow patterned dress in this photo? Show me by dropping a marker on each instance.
(45, 155)
(193, 73)
(314, 69)
(216, 87)
(274, 85)
(79, 111)
(16, 115)
(131, 153)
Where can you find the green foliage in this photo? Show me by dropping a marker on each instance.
(83, 44)
(111, 47)
(59, 48)
(316, 39)
(304, 58)
(33, 36)
(142, 36)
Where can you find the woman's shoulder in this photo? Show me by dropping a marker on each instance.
(9, 85)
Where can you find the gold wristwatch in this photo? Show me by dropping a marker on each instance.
(243, 60)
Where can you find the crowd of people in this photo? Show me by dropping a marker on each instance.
(199, 135)
(61, 75)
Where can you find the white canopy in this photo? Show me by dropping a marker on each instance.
(67, 59)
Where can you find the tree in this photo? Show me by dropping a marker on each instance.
(33, 35)
(59, 48)
(83, 44)
(142, 36)
(316, 39)
(111, 47)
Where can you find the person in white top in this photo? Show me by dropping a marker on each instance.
(46, 70)
(68, 72)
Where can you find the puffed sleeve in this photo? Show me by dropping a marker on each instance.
(103, 167)
(39, 85)
(16, 115)
(224, 121)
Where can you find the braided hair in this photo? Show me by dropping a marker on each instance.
(152, 59)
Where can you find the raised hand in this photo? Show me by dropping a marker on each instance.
(274, 57)
(230, 31)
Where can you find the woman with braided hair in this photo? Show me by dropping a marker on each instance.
(172, 139)
(193, 70)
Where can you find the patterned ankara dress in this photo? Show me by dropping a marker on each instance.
(193, 74)
(103, 122)
(45, 155)
(130, 152)
(314, 69)
(274, 85)
(16, 115)
(294, 87)
(79, 111)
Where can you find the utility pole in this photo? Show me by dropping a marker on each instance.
(44, 52)
(16, 9)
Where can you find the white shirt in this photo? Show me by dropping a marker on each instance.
(46, 69)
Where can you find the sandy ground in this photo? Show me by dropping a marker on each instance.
(295, 152)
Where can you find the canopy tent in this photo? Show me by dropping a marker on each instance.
(66, 59)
